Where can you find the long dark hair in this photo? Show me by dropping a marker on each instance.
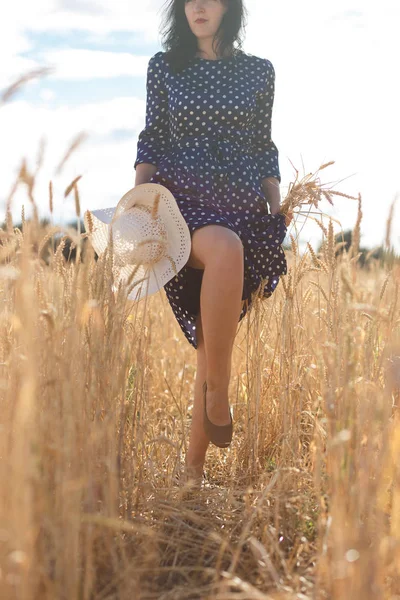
(180, 43)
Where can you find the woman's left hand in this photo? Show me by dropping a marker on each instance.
(274, 205)
(288, 218)
(275, 208)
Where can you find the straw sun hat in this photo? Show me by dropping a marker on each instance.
(147, 236)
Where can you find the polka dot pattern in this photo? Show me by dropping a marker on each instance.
(208, 131)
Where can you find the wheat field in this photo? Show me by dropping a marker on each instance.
(95, 408)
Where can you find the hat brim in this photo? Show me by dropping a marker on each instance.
(147, 280)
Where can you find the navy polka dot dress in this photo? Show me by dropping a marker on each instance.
(208, 131)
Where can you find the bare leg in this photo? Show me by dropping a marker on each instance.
(219, 252)
(221, 304)
(198, 441)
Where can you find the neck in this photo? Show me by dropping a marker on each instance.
(204, 50)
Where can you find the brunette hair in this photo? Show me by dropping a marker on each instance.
(180, 43)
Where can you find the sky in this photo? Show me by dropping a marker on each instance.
(336, 99)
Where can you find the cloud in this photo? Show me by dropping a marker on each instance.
(106, 158)
(336, 97)
(101, 17)
(47, 95)
(98, 18)
(348, 14)
(80, 64)
(82, 7)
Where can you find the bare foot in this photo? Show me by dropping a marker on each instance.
(193, 477)
(217, 404)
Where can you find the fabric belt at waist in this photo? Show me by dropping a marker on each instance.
(220, 143)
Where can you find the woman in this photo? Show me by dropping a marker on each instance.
(208, 140)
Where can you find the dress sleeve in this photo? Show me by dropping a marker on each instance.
(153, 140)
(267, 155)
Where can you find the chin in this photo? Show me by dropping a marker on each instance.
(206, 35)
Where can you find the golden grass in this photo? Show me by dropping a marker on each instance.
(95, 408)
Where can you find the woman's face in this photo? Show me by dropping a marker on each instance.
(210, 10)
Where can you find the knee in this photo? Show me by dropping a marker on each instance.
(228, 246)
(231, 242)
(215, 242)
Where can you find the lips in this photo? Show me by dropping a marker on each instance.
(201, 21)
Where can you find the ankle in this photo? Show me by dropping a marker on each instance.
(217, 384)
(194, 471)
(195, 463)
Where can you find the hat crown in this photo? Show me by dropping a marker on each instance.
(139, 237)
(149, 238)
